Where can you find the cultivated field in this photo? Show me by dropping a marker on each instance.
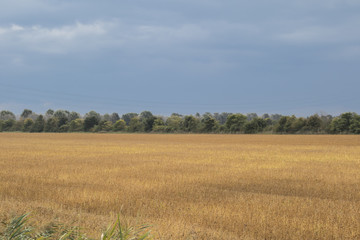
(187, 186)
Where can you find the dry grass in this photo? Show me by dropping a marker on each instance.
(187, 186)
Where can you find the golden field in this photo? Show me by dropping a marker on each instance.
(187, 186)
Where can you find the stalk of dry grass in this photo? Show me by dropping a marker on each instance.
(187, 186)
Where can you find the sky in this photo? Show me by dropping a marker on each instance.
(267, 56)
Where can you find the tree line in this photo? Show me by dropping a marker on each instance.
(66, 121)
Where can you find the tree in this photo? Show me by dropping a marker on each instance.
(190, 124)
(51, 125)
(49, 114)
(285, 124)
(119, 125)
(104, 126)
(128, 116)
(313, 123)
(114, 117)
(90, 122)
(173, 123)
(62, 117)
(28, 124)
(7, 115)
(8, 125)
(39, 124)
(342, 123)
(209, 124)
(93, 114)
(256, 125)
(299, 125)
(159, 125)
(136, 125)
(355, 124)
(235, 122)
(73, 116)
(26, 113)
(251, 116)
(221, 118)
(147, 118)
(76, 125)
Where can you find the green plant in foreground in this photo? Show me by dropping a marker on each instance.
(16, 229)
(118, 231)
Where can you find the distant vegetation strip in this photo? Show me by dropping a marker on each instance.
(66, 121)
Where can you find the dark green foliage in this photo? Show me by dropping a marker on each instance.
(342, 123)
(209, 124)
(51, 125)
(256, 125)
(76, 125)
(39, 124)
(147, 118)
(119, 125)
(355, 124)
(235, 123)
(190, 124)
(90, 122)
(105, 126)
(7, 115)
(28, 125)
(173, 123)
(128, 116)
(65, 121)
(114, 117)
(136, 125)
(221, 118)
(8, 125)
(26, 113)
(313, 123)
(73, 116)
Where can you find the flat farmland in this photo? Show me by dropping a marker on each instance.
(187, 186)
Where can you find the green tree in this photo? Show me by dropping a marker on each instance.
(209, 124)
(191, 124)
(114, 117)
(313, 123)
(8, 125)
(128, 116)
(76, 125)
(159, 125)
(256, 125)
(7, 115)
(26, 113)
(299, 125)
(39, 124)
(173, 123)
(147, 118)
(62, 117)
(342, 123)
(119, 125)
(49, 114)
(73, 116)
(285, 125)
(104, 126)
(28, 124)
(235, 122)
(51, 125)
(136, 125)
(90, 122)
(355, 124)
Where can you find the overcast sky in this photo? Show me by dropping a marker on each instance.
(278, 56)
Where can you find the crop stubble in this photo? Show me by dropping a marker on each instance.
(187, 186)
